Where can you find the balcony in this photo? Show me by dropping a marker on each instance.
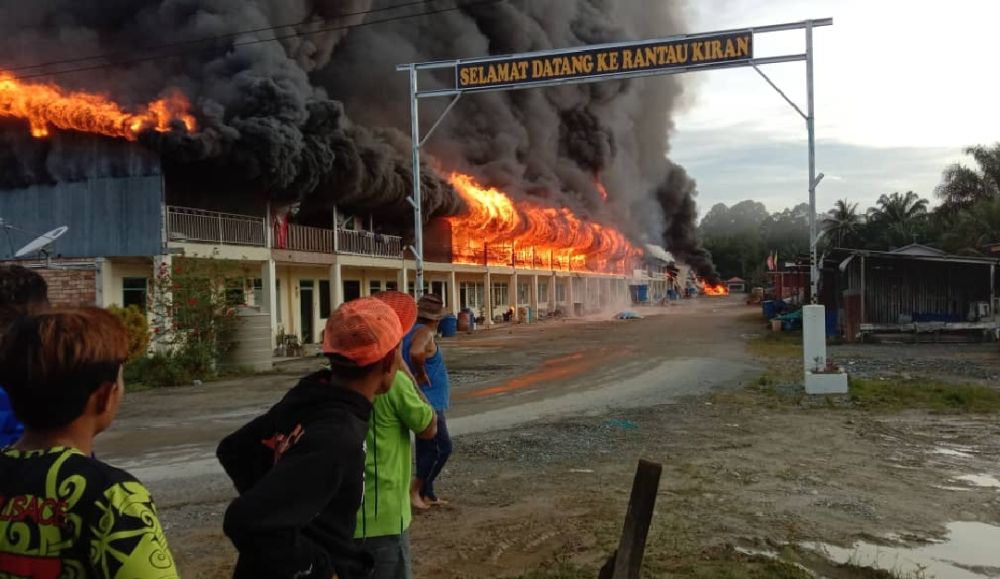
(302, 238)
(370, 244)
(197, 225)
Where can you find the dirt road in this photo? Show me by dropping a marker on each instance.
(549, 423)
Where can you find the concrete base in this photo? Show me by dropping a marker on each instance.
(826, 383)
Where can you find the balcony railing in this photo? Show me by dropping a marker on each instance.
(303, 238)
(187, 224)
(368, 243)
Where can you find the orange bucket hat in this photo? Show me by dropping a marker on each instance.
(365, 330)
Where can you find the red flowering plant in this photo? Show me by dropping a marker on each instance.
(193, 311)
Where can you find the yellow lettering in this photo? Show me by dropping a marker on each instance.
(613, 61)
(638, 61)
(697, 55)
(650, 56)
(602, 61)
(681, 53)
(583, 64)
(730, 49)
(537, 69)
(549, 69)
(464, 77)
(627, 58)
(716, 50)
(743, 46)
(662, 55)
(491, 74)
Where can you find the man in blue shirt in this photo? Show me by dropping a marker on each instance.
(421, 354)
(22, 292)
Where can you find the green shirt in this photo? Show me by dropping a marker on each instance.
(385, 509)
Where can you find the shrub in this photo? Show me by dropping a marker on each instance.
(137, 327)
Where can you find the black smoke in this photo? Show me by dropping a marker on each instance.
(322, 116)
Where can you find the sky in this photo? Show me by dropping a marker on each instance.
(901, 87)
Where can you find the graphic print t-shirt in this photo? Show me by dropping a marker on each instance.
(64, 515)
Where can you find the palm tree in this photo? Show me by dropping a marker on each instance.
(898, 209)
(962, 186)
(842, 222)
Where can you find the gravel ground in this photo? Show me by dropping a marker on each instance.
(953, 362)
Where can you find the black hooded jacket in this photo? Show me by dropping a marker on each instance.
(299, 470)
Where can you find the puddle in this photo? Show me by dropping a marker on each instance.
(980, 480)
(968, 546)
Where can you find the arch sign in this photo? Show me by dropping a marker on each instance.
(673, 55)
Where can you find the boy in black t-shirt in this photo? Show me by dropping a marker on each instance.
(62, 513)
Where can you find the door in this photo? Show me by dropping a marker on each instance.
(306, 309)
(352, 289)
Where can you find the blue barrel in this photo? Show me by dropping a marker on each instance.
(448, 326)
(768, 308)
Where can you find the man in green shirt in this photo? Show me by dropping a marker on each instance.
(385, 513)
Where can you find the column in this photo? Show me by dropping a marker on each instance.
(533, 298)
(365, 284)
(488, 300)
(269, 276)
(163, 298)
(453, 293)
(403, 281)
(586, 293)
(336, 286)
(512, 296)
(570, 297)
(553, 293)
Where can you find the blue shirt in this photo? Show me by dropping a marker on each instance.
(10, 429)
(437, 391)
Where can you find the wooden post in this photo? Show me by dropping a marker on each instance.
(626, 562)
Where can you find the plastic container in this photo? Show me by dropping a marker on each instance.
(448, 326)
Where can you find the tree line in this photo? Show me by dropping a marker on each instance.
(965, 221)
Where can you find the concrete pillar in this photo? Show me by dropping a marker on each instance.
(453, 297)
(512, 296)
(534, 296)
(269, 277)
(162, 321)
(404, 283)
(488, 299)
(569, 296)
(365, 285)
(553, 293)
(813, 337)
(336, 286)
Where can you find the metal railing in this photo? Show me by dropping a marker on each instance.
(368, 243)
(187, 224)
(303, 238)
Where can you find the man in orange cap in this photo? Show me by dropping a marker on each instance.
(300, 467)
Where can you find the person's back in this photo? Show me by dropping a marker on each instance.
(63, 514)
(22, 292)
(385, 514)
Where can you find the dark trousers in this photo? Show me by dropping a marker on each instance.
(432, 455)
(391, 554)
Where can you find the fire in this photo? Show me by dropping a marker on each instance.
(711, 289)
(500, 231)
(601, 188)
(46, 105)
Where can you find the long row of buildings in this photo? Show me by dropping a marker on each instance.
(123, 230)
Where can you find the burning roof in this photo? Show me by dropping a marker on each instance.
(295, 101)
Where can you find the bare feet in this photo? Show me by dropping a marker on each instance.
(416, 500)
(435, 502)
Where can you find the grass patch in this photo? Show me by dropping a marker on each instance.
(899, 394)
(776, 345)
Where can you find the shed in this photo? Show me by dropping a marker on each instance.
(914, 289)
(736, 285)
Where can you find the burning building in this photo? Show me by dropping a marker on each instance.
(268, 132)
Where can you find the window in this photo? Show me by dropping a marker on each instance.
(543, 290)
(236, 294)
(471, 295)
(277, 300)
(440, 288)
(561, 291)
(391, 286)
(258, 293)
(522, 293)
(134, 291)
(352, 289)
(324, 299)
(500, 296)
(374, 286)
(427, 287)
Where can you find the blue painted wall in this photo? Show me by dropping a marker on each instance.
(107, 217)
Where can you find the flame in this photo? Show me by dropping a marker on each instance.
(47, 105)
(601, 188)
(500, 231)
(711, 289)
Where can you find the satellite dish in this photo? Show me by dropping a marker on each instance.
(42, 241)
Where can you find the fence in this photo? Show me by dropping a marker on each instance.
(187, 224)
(304, 238)
(368, 243)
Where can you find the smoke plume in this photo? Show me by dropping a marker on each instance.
(322, 117)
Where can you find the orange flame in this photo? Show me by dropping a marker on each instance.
(500, 231)
(46, 105)
(711, 289)
(601, 188)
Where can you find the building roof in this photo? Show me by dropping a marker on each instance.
(918, 249)
(736, 279)
(917, 255)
